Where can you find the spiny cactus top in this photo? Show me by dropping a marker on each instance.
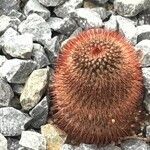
(97, 87)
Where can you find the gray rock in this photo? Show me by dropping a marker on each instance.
(130, 8)
(127, 28)
(100, 1)
(87, 18)
(15, 102)
(33, 140)
(13, 144)
(17, 70)
(148, 131)
(31, 95)
(39, 113)
(53, 3)
(86, 147)
(143, 48)
(111, 24)
(33, 6)
(19, 46)
(147, 99)
(4, 23)
(6, 93)
(40, 56)
(2, 60)
(38, 27)
(14, 22)
(66, 8)
(110, 147)
(6, 6)
(65, 26)
(102, 12)
(17, 88)
(134, 145)
(12, 121)
(3, 142)
(67, 147)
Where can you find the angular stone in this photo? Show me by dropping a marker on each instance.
(4, 23)
(89, 4)
(66, 8)
(87, 18)
(33, 140)
(6, 93)
(3, 142)
(19, 46)
(134, 145)
(17, 70)
(15, 103)
(38, 27)
(34, 88)
(83, 146)
(14, 23)
(53, 3)
(2, 60)
(127, 28)
(148, 131)
(6, 6)
(110, 147)
(143, 48)
(55, 138)
(33, 6)
(100, 1)
(111, 24)
(13, 144)
(39, 113)
(40, 56)
(147, 98)
(102, 12)
(17, 88)
(130, 8)
(67, 147)
(12, 121)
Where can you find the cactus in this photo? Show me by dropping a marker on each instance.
(98, 88)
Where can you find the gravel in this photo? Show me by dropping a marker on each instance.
(31, 35)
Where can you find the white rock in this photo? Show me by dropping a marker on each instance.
(48, 3)
(2, 60)
(33, 140)
(3, 142)
(4, 23)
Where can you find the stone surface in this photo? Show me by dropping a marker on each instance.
(143, 48)
(2, 60)
(33, 140)
(38, 27)
(134, 145)
(130, 8)
(19, 46)
(66, 8)
(48, 3)
(83, 146)
(6, 6)
(87, 18)
(17, 88)
(17, 70)
(40, 56)
(148, 131)
(6, 93)
(34, 88)
(4, 23)
(3, 142)
(67, 147)
(100, 1)
(12, 121)
(39, 113)
(111, 24)
(33, 6)
(55, 138)
(127, 28)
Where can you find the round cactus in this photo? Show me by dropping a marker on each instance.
(98, 88)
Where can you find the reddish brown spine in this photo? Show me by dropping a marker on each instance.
(97, 87)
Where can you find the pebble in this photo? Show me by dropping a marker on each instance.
(143, 48)
(130, 8)
(127, 28)
(19, 46)
(134, 145)
(35, 142)
(65, 26)
(6, 6)
(39, 56)
(12, 121)
(2, 60)
(3, 142)
(38, 27)
(4, 23)
(66, 8)
(39, 113)
(34, 88)
(33, 6)
(17, 70)
(87, 18)
(51, 3)
(54, 136)
(6, 93)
